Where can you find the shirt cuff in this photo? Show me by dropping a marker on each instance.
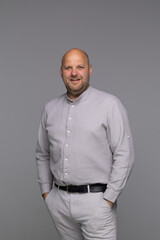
(45, 188)
(110, 195)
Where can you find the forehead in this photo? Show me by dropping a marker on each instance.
(74, 57)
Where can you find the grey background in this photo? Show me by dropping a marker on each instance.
(122, 39)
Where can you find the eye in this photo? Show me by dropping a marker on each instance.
(80, 67)
(67, 68)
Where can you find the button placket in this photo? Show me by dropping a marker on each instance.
(67, 145)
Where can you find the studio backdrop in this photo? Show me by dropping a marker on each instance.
(122, 39)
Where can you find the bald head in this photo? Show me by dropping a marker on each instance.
(75, 51)
(75, 72)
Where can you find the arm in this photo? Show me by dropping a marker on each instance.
(45, 177)
(120, 140)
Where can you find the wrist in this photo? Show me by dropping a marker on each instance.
(44, 195)
(109, 202)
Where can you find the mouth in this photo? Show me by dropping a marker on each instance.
(75, 80)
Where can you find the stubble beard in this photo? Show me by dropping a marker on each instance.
(76, 92)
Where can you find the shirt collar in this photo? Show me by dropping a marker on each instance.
(81, 97)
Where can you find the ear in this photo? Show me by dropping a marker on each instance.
(61, 71)
(90, 69)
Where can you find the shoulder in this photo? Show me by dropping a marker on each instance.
(105, 97)
(52, 104)
(107, 101)
(50, 107)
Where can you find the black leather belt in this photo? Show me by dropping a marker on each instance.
(97, 187)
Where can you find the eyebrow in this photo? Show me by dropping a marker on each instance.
(82, 65)
(76, 65)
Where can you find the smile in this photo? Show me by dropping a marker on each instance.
(74, 80)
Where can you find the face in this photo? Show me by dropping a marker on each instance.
(75, 72)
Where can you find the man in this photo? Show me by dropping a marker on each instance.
(84, 154)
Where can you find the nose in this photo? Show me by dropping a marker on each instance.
(74, 72)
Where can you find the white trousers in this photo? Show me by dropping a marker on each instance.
(82, 216)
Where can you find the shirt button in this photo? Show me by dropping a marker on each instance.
(72, 106)
(66, 173)
(67, 145)
(66, 159)
(69, 118)
(68, 131)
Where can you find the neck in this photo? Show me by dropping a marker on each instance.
(74, 95)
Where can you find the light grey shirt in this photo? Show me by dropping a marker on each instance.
(85, 141)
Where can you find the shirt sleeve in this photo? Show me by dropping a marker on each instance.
(45, 177)
(121, 145)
